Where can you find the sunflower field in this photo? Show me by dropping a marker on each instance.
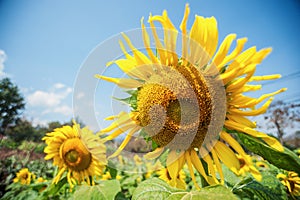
(189, 103)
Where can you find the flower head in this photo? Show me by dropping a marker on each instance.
(291, 181)
(24, 176)
(246, 165)
(189, 102)
(77, 151)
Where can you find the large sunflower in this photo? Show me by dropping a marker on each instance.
(189, 103)
(77, 151)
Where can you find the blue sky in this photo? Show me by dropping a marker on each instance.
(45, 42)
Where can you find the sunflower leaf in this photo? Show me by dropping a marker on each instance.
(106, 190)
(211, 192)
(158, 189)
(269, 188)
(153, 188)
(287, 159)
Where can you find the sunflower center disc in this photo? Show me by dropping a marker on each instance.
(175, 107)
(75, 154)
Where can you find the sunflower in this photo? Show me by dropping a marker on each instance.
(188, 103)
(24, 176)
(77, 151)
(291, 182)
(178, 182)
(246, 165)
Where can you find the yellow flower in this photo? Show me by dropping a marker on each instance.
(262, 164)
(137, 160)
(189, 103)
(24, 176)
(246, 165)
(292, 182)
(77, 151)
(118, 177)
(41, 180)
(106, 176)
(178, 182)
(152, 168)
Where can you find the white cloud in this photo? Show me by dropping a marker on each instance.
(3, 58)
(47, 99)
(80, 95)
(59, 86)
(64, 109)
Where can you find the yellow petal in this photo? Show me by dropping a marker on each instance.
(210, 165)
(172, 165)
(130, 68)
(233, 143)
(154, 154)
(223, 50)
(242, 120)
(265, 78)
(125, 142)
(160, 48)
(189, 163)
(146, 40)
(260, 55)
(140, 58)
(238, 49)
(253, 112)
(218, 165)
(121, 82)
(119, 131)
(269, 140)
(261, 98)
(123, 119)
(184, 31)
(227, 156)
(197, 164)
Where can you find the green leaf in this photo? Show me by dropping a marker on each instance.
(212, 192)
(287, 159)
(269, 188)
(54, 188)
(106, 190)
(132, 100)
(158, 189)
(153, 188)
(230, 178)
(112, 169)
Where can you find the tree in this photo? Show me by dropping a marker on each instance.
(22, 130)
(282, 115)
(11, 104)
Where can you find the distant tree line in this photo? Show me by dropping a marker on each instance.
(12, 123)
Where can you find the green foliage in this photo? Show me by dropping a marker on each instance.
(11, 104)
(8, 143)
(287, 159)
(132, 100)
(23, 130)
(105, 190)
(269, 188)
(157, 189)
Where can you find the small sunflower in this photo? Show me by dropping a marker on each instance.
(291, 182)
(178, 182)
(262, 164)
(77, 151)
(246, 165)
(189, 103)
(24, 176)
